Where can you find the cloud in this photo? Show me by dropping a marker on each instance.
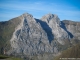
(38, 7)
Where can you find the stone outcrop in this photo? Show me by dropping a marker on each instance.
(29, 37)
(37, 36)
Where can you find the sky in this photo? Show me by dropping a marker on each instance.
(65, 9)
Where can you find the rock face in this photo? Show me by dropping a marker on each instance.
(29, 37)
(73, 28)
(36, 36)
(54, 23)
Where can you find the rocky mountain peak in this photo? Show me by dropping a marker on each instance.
(27, 15)
(50, 17)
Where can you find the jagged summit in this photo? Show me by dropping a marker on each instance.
(50, 17)
(26, 15)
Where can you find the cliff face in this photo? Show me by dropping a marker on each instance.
(73, 27)
(56, 27)
(32, 36)
(29, 37)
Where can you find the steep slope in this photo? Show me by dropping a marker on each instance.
(6, 30)
(26, 35)
(54, 23)
(74, 30)
(34, 36)
(73, 27)
(29, 38)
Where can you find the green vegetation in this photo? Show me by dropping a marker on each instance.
(9, 57)
(3, 57)
(13, 58)
(6, 30)
(73, 52)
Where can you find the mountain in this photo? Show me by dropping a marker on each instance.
(26, 35)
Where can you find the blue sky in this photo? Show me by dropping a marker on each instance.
(65, 9)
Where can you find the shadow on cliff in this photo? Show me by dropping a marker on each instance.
(47, 29)
(63, 26)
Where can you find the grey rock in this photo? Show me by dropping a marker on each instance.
(73, 28)
(54, 23)
(38, 36)
(29, 37)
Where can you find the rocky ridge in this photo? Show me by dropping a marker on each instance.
(38, 36)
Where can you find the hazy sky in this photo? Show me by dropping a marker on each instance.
(65, 9)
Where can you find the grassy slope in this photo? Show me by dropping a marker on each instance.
(73, 52)
(6, 30)
(3, 57)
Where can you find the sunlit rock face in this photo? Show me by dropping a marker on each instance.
(59, 32)
(73, 28)
(29, 37)
(36, 36)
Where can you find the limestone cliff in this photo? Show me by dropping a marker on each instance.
(31, 36)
